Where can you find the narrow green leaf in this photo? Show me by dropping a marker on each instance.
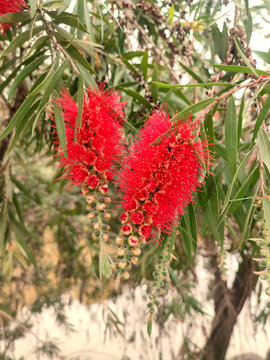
(33, 7)
(129, 126)
(240, 119)
(23, 189)
(264, 147)
(231, 138)
(144, 64)
(129, 66)
(171, 14)
(239, 69)
(263, 115)
(132, 54)
(54, 5)
(60, 127)
(104, 262)
(248, 220)
(3, 227)
(218, 43)
(24, 73)
(193, 109)
(191, 73)
(265, 56)
(11, 18)
(75, 55)
(266, 212)
(235, 177)
(42, 86)
(39, 43)
(21, 39)
(243, 56)
(24, 121)
(53, 83)
(248, 22)
(87, 19)
(17, 118)
(175, 86)
(71, 20)
(241, 192)
(136, 96)
(17, 206)
(23, 244)
(153, 86)
(149, 327)
(80, 106)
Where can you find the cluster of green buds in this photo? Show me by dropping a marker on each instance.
(263, 242)
(160, 275)
(97, 205)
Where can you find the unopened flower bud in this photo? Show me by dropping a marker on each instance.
(136, 251)
(134, 260)
(107, 200)
(84, 189)
(121, 252)
(119, 240)
(105, 237)
(91, 199)
(97, 226)
(91, 216)
(125, 275)
(133, 240)
(113, 266)
(107, 228)
(161, 292)
(142, 239)
(101, 207)
(94, 236)
(122, 264)
(107, 216)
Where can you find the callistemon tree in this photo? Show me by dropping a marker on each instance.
(137, 133)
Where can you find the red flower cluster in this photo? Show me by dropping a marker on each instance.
(158, 181)
(10, 6)
(99, 140)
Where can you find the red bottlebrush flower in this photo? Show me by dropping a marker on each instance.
(98, 142)
(145, 231)
(123, 217)
(10, 6)
(92, 181)
(127, 229)
(137, 217)
(161, 178)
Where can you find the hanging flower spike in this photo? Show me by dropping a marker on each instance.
(92, 154)
(10, 6)
(98, 144)
(158, 180)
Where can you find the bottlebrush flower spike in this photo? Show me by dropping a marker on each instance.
(10, 6)
(158, 181)
(91, 155)
(90, 159)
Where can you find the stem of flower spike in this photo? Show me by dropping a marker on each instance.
(97, 205)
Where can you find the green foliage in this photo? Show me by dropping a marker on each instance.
(148, 52)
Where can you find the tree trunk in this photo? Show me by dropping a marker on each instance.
(228, 305)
